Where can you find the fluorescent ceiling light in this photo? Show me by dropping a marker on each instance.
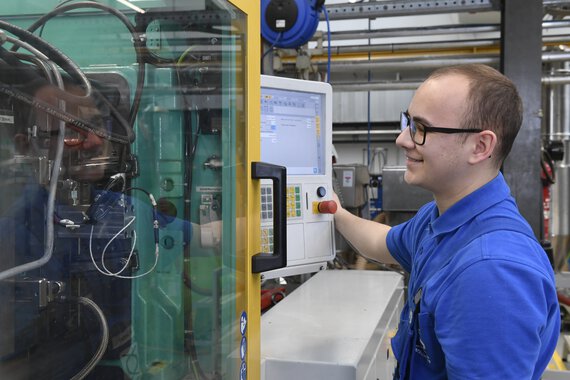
(132, 6)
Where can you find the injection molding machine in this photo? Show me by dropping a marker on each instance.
(128, 213)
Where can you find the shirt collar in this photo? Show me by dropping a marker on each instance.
(470, 206)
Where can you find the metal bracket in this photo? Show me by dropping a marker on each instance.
(405, 7)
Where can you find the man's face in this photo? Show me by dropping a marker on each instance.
(438, 165)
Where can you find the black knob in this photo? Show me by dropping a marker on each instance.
(321, 191)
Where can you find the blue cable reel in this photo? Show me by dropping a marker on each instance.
(289, 23)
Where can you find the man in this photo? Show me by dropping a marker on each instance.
(481, 299)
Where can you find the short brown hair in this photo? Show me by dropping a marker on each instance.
(494, 104)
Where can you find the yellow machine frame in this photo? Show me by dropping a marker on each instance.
(249, 231)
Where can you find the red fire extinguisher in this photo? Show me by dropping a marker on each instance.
(548, 178)
(552, 152)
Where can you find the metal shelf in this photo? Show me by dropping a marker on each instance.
(405, 7)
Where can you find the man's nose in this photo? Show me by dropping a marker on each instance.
(404, 140)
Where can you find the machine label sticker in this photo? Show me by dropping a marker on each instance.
(243, 323)
(347, 177)
(6, 119)
(243, 348)
(243, 371)
(209, 189)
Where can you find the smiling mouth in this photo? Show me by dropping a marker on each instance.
(413, 159)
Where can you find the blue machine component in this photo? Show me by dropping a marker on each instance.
(289, 23)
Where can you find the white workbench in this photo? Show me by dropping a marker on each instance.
(335, 326)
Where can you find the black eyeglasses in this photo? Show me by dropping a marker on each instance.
(419, 130)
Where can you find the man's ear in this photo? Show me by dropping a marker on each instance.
(484, 146)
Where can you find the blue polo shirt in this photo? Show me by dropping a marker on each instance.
(482, 300)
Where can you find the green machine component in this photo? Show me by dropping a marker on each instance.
(118, 129)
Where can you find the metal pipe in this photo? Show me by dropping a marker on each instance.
(373, 9)
(450, 45)
(446, 45)
(350, 133)
(553, 24)
(555, 57)
(376, 86)
(429, 31)
(557, 95)
(398, 85)
(464, 44)
(560, 216)
(555, 80)
(436, 60)
(390, 8)
(419, 64)
(412, 32)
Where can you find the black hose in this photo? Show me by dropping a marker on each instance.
(51, 52)
(137, 42)
(59, 114)
(74, 72)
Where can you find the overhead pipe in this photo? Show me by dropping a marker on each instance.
(445, 48)
(555, 80)
(430, 31)
(383, 132)
(552, 24)
(555, 57)
(373, 9)
(375, 132)
(411, 32)
(391, 8)
(399, 85)
(426, 61)
(402, 47)
(423, 63)
(376, 86)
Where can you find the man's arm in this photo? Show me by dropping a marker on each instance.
(366, 236)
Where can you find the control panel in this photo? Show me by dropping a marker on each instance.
(296, 132)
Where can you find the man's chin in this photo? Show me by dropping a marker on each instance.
(409, 178)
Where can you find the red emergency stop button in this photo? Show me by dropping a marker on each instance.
(327, 207)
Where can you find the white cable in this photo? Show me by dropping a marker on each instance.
(50, 233)
(28, 47)
(106, 272)
(91, 253)
(128, 260)
(156, 254)
(109, 243)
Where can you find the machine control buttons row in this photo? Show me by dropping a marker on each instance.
(266, 203)
(294, 201)
(267, 239)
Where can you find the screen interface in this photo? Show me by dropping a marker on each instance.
(291, 133)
